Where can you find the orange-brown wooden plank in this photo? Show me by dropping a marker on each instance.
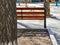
(30, 17)
(30, 8)
(29, 12)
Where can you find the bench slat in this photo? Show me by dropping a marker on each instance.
(30, 17)
(30, 12)
(30, 8)
(22, 17)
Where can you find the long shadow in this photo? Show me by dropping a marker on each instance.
(56, 19)
(21, 31)
(38, 25)
(26, 26)
(30, 31)
(57, 38)
(56, 35)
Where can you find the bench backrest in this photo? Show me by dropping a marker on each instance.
(30, 13)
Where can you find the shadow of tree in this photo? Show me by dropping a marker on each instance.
(57, 36)
(26, 26)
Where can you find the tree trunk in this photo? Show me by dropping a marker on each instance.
(8, 22)
(47, 7)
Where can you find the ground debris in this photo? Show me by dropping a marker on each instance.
(34, 38)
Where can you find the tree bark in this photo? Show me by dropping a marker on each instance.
(8, 22)
(47, 7)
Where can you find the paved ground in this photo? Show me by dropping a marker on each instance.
(55, 27)
(55, 10)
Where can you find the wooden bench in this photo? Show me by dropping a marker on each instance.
(30, 13)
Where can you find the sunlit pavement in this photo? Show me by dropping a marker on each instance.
(52, 23)
(55, 10)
